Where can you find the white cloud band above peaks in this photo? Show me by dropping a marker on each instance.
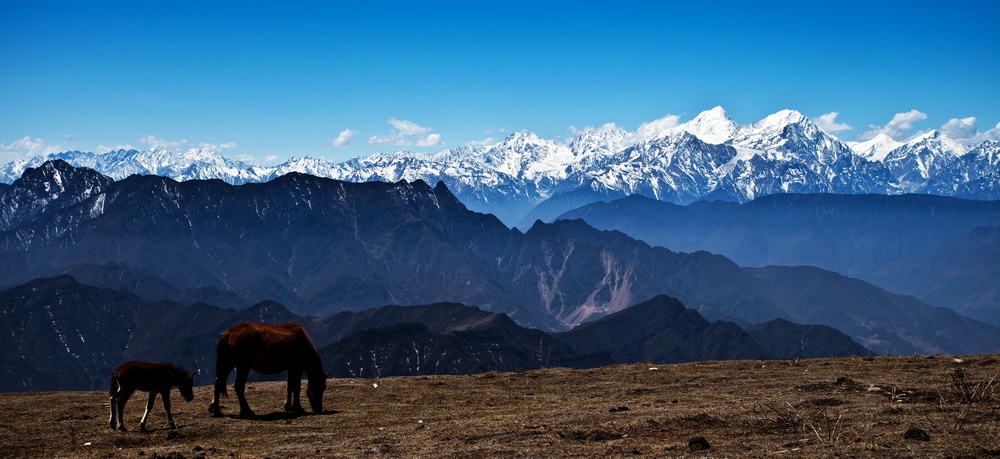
(408, 134)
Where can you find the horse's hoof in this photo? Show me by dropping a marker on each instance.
(122, 428)
(173, 426)
(142, 429)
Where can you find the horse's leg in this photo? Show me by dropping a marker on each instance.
(149, 407)
(293, 388)
(123, 395)
(242, 373)
(113, 400)
(221, 375)
(165, 395)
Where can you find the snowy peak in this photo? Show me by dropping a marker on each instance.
(938, 142)
(777, 122)
(876, 148)
(608, 139)
(788, 132)
(525, 155)
(711, 126)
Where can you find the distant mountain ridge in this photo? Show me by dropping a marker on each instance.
(708, 157)
(63, 335)
(321, 246)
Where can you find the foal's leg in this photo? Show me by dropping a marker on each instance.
(242, 373)
(293, 389)
(165, 395)
(149, 407)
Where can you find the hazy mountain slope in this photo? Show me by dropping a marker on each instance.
(872, 237)
(877, 319)
(959, 273)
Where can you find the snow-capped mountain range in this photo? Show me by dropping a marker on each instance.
(708, 157)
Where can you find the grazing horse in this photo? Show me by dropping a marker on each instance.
(268, 349)
(152, 377)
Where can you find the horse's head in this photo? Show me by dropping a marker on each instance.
(317, 385)
(186, 386)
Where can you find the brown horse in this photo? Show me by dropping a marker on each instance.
(268, 349)
(152, 377)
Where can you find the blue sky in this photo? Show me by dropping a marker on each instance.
(268, 81)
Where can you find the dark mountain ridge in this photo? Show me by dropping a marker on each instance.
(68, 336)
(321, 246)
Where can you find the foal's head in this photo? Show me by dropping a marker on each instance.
(186, 385)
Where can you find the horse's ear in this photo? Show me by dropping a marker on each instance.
(328, 375)
(191, 374)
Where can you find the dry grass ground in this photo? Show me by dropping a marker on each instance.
(854, 407)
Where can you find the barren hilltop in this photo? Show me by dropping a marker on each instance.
(915, 406)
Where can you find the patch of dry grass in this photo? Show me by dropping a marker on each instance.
(809, 408)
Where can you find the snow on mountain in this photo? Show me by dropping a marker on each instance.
(711, 126)
(524, 155)
(876, 148)
(708, 157)
(679, 168)
(596, 143)
(920, 159)
(789, 135)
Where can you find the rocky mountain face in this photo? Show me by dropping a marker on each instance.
(322, 246)
(931, 246)
(59, 334)
(708, 157)
(63, 335)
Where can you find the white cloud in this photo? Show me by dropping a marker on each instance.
(898, 129)
(828, 123)
(343, 139)
(26, 147)
(659, 126)
(960, 128)
(606, 127)
(407, 133)
(992, 134)
(155, 142)
(216, 148)
(271, 159)
(965, 130)
(104, 148)
(481, 143)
